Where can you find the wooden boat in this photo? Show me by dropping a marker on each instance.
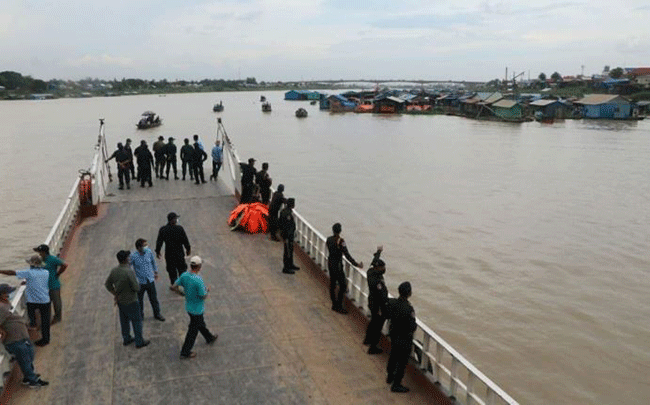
(149, 119)
(262, 98)
(301, 113)
(218, 107)
(266, 107)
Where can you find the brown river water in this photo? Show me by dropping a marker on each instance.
(527, 244)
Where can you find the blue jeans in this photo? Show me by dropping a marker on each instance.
(150, 289)
(130, 315)
(23, 351)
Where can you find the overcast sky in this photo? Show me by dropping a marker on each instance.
(320, 39)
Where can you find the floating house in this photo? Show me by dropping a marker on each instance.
(508, 110)
(389, 105)
(301, 95)
(605, 106)
(551, 108)
(338, 103)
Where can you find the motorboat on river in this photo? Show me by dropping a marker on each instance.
(266, 107)
(301, 113)
(149, 119)
(218, 107)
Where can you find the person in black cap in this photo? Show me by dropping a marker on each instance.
(175, 239)
(274, 210)
(337, 249)
(287, 225)
(248, 173)
(123, 172)
(123, 284)
(55, 266)
(159, 155)
(186, 158)
(402, 327)
(198, 157)
(377, 301)
(15, 338)
(145, 163)
(169, 151)
(264, 181)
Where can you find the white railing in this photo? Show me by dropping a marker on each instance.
(64, 224)
(437, 360)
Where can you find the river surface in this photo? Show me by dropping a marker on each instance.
(527, 244)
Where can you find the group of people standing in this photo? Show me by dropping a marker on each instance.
(42, 293)
(398, 310)
(163, 160)
(136, 274)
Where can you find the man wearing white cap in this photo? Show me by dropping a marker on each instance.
(195, 293)
(37, 295)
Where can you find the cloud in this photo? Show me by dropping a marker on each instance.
(6, 21)
(101, 60)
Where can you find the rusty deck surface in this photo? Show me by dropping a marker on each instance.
(279, 341)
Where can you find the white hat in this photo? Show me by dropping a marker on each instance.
(195, 261)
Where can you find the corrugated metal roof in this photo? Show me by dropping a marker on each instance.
(595, 99)
(395, 99)
(543, 103)
(505, 104)
(493, 98)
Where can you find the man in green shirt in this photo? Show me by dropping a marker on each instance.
(124, 287)
(195, 293)
(55, 266)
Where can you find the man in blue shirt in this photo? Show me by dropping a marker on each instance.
(217, 160)
(195, 293)
(146, 271)
(37, 295)
(55, 266)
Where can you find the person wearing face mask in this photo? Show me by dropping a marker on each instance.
(146, 271)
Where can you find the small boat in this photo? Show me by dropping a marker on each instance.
(218, 107)
(266, 107)
(149, 119)
(313, 102)
(301, 113)
(262, 98)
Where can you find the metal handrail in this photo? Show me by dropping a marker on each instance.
(437, 359)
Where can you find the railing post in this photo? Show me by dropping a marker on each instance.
(471, 378)
(453, 385)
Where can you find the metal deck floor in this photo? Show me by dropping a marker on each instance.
(279, 342)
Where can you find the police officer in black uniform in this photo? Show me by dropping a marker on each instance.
(122, 159)
(377, 301)
(337, 249)
(198, 157)
(169, 151)
(287, 225)
(159, 155)
(145, 163)
(402, 327)
(187, 151)
(175, 239)
(274, 209)
(129, 151)
(248, 173)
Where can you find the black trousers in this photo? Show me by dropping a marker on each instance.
(187, 166)
(150, 289)
(44, 310)
(160, 166)
(265, 193)
(197, 324)
(198, 173)
(373, 333)
(123, 174)
(175, 267)
(144, 173)
(287, 256)
(172, 163)
(400, 350)
(337, 278)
